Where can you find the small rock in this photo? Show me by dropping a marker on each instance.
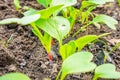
(43, 66)
(22, 64)
(12, 68)
(54, 69)
(47, 63)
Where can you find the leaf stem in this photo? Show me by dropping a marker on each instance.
(81, 29)
(94, 78)
(58, 74)
(38, 34)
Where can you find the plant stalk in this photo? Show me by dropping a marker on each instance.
(81, 29)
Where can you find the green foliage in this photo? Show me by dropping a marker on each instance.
(45, 39)
(17, 4)
(87, 7)
(14, 76)
(119, 2)
(81, 42)
(106, 71)
(66, 3)
(46, 13)
(45, 3)
(67, 49)
(23, 21)
(77, 63)
(116, 46)
(72, 16)
(109, 21)
(101, 1)
(57, 27)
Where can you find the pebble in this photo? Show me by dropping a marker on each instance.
(12, 68)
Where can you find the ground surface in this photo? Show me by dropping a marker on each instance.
(24, 53)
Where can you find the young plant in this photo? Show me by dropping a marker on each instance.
(70, 48)
(17, 4)
(14, 76)
(52, 25)
(84, 12)
(109, 21)
(106, 71)
(79, 62)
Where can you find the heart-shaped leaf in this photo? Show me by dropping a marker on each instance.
(77, 63)
(109, 21)
(23, 21)
(106, 71)
(58, 27)
(100, 1)
(45, 3)
(14, 76)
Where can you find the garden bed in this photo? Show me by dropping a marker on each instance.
(24, 53)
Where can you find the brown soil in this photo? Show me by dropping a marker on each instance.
(24, 53)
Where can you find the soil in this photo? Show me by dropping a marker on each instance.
(21, 51)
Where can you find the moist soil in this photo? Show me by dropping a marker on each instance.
(21, 51)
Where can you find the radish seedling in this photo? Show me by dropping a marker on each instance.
(106, 71)
(79, 62)
(55, 26)
(109, 21)
(58, 27)
(70, 48)
(17, 4)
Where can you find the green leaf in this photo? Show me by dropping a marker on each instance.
(14, 76)
(17, 4)
(119, 2)
(77, 63)
(86, 4)
(67, 49)
(101, 1)
(29, 19)
(45, 3)
(47, 39)
(81, 42)
(63, 2)
(106, 71)
(109, 21)
(23, 21)
(66, 3)
(46, 13)
(30, 12)
(58, 27)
